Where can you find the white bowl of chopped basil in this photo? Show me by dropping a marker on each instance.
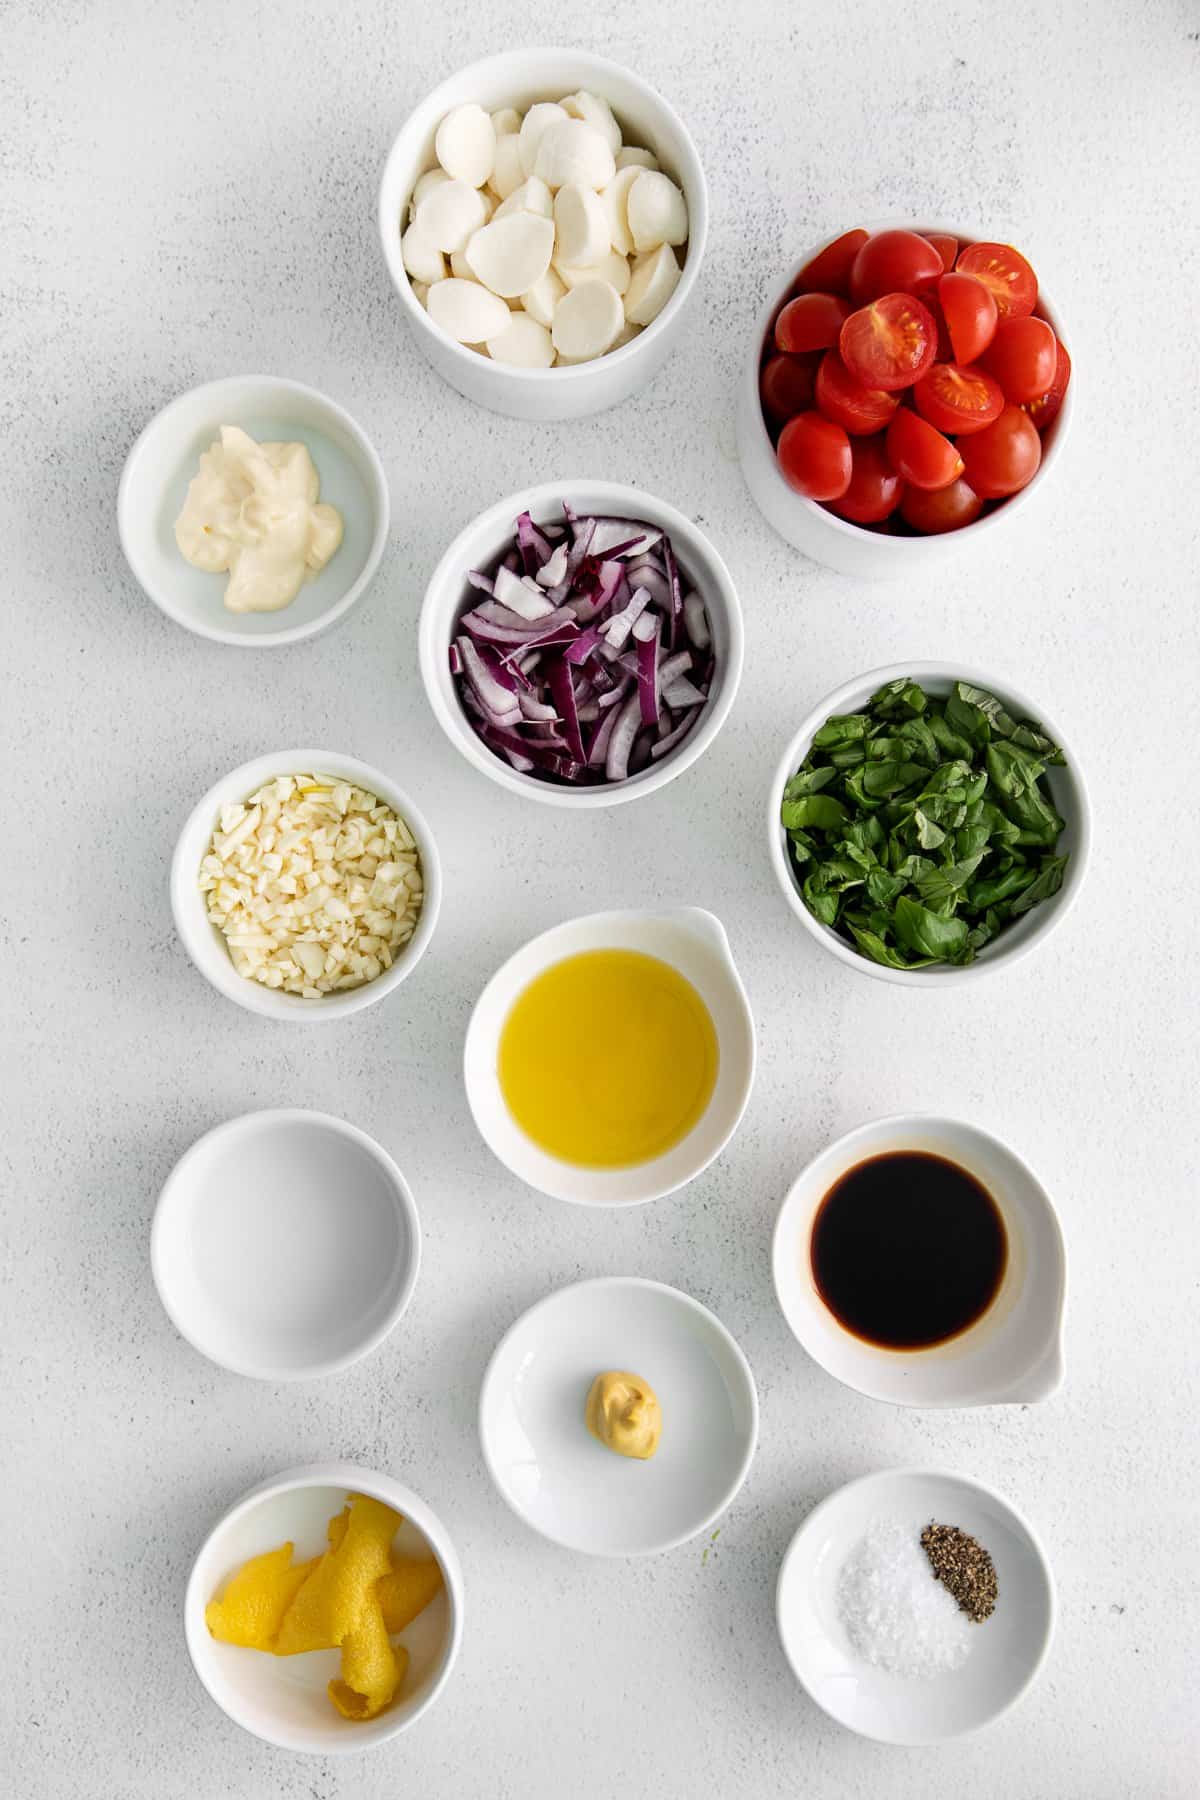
(928, 823)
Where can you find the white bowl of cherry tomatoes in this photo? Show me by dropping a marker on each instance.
(905, 394)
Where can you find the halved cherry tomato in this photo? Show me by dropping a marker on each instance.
(893, 262)
(920, 454)
(1022, 356)
(810, 322)
(829, 270)
(942, 510)
(1002, 457)
(958, 400)
(785, 386)
(890, 343)
(970, 312)
(843, 398)
(946, 247)
(1005, 272)
(814, 456)
(1045, 408)
(874, 489)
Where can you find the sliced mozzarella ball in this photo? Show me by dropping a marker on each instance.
(448, 215)
(569, 150)
(523, 342)
(597, 112)
(546, 112)
(423, 260)
(507, 171)
(580, 225)
(625, 336)
(465, 144)
(615, 198)
(421, 290)
(532, 196)
(587, 320)
(651, 285)
(510, 254)
(506, 121)
(467, 311)
(541, 299)
(611, 268)
(634, 157)
(657, 212)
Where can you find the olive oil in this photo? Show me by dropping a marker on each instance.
(608, 1059)
(908, 1250)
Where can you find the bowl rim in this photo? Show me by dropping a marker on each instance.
(240, 1125)
(846, 528)
(619, 915)
(378, 491)
(267, 1002)
(996, 955)
(902, 1123)
(695, 189)
(355, 1479)
(916, 1471)
(742, 1361)
(451, 572)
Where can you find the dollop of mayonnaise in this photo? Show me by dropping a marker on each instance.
(254, 509)
(622, 1413)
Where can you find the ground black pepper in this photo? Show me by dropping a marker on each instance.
(964, 1567)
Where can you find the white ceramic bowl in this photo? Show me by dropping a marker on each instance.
(518, 78)
(839, 543)
(691, 941)
(554, 1474)
(485, 540)
(283, 1699)
(205, 944)
(1067, 790)
(163, 461)
(285, 1245)
(1007, 1650)
(1013, 1354)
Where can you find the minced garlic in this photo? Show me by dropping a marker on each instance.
(314, 883)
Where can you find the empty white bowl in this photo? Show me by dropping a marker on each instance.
(1067, 790)
(165, 457)
(283, 1699)
(691, 941)
(1007, 1650)
(839, 543)
(546, 1463)
(204, 942)
(1013, 1354)
(482, 544)
(518, 78)
(285, 1244)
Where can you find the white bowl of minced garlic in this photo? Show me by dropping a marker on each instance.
(305, 885)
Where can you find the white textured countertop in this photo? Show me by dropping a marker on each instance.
(188, 191)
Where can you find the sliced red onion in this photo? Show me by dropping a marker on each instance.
(582, 661)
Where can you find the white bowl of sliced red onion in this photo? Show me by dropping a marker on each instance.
(581, 643)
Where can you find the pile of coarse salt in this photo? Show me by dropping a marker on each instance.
(897, 1615)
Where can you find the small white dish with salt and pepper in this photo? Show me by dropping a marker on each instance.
(1007, 1650)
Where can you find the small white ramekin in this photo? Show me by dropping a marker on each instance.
(839, 543)
(282, 1699)
(486, 539)
(205, 944)
(1066, 789)
(167, 454)
(518, 78)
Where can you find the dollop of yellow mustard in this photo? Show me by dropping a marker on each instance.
(623, 1414)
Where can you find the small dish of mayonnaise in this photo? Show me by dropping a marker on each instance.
(253, 511)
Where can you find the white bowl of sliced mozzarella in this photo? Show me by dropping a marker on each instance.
(645, 610)
(543, 216)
